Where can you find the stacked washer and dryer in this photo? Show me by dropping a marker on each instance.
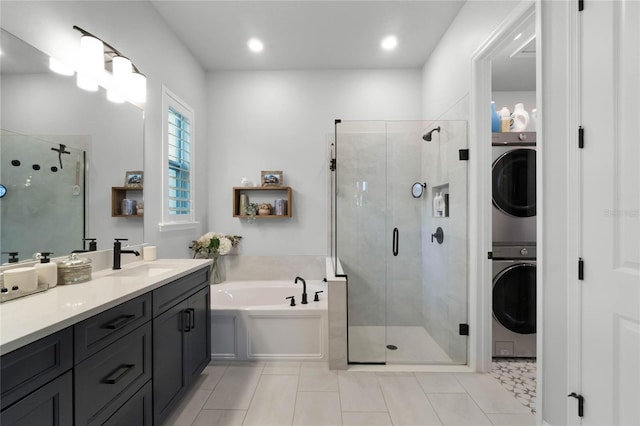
(514, 244)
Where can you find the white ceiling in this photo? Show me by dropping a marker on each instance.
(306, 34)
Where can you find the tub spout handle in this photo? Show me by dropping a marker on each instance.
(316, 298)
(293, 300)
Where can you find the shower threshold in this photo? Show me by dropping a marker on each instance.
(411, 346)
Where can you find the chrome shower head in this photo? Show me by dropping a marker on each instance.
(427, 136)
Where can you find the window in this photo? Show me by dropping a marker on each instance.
(178, 174)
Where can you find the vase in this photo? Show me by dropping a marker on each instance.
(215, 275)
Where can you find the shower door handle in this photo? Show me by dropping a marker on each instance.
(396, 241)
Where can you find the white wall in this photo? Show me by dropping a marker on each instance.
(138, 31)
(446, 75)
(283, 120)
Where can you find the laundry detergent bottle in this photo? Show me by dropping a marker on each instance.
(520, 119)
(495, 118)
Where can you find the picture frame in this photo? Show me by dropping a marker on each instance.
(271, 178)
(133, 179)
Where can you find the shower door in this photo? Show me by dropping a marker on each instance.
(406, 295)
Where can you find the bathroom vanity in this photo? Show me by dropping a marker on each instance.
(123, 348)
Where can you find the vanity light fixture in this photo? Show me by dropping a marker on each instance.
(102, 64)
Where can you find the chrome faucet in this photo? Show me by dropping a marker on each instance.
(304, 290)
(117, 252)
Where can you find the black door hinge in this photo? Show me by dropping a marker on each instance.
(580, 5)
(580, 399)
(332, 165)
(463, 154)
(464, 329)
(489, 255)
(580, 137)
(581, 269)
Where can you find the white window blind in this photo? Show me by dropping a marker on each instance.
(179, 163)
(178, 156)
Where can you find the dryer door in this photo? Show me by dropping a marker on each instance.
(514, 298)
(514, 182)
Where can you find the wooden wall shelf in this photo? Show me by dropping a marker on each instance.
(119, 193)
(262, 194)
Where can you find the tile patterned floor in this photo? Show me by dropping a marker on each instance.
(308, 394)
(518, 376)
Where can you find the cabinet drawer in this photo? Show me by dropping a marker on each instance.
(113, 374)
(52, 405)
(136, 411)
(28, 368)
(178, 290)
(99, 331)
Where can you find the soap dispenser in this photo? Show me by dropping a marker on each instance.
(47, 270)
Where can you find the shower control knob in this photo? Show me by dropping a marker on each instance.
(524, 251)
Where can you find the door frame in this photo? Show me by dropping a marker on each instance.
(480, 239)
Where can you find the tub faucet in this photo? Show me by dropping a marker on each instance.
(304, 290)
(117, 252)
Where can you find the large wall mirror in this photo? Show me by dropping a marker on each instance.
(62, 149)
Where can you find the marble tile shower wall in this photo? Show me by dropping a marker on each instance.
(250, 268)
(445, 266)
(40, 196)
(360, 224)
(388, 163)
(404, 272)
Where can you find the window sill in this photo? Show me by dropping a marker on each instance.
(177, 226)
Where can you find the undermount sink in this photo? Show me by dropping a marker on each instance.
(144, 271)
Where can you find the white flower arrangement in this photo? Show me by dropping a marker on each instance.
(213, 244)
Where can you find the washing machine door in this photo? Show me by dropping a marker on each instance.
(514, 298)
(514, 182)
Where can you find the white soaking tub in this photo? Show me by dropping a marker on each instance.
(252, 320)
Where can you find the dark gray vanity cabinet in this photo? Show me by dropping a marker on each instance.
(181, 340)
(128, 365)
(37, 387)
(112, 360)
(52, 404)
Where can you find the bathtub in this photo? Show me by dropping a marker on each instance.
(252, 320)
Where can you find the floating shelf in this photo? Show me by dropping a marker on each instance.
(119, 193)
(262, 194)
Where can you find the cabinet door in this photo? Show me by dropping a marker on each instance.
(198, 333)
(52, 404)
(169, 378)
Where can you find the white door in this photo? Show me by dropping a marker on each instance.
(611, 213)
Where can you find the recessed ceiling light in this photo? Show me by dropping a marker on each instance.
(389, 42)
(255, 45)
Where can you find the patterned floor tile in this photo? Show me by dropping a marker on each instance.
(518, 376)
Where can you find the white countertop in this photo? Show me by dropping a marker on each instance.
(25, 320)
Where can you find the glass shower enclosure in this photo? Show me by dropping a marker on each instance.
(399, 231)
